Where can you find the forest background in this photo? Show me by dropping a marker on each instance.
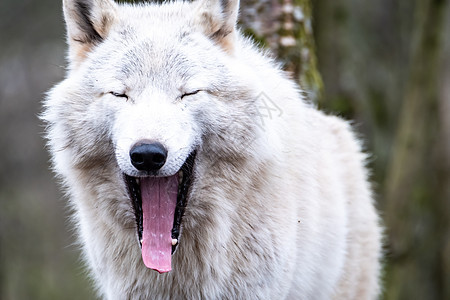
(384, 64)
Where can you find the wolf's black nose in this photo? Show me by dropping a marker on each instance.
(148, 157)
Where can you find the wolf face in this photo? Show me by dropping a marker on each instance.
(153, 77)
(161, 87)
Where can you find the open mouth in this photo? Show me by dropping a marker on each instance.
(159, 204)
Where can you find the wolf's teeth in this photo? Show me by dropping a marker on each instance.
(138, 181)
(174, 242)
(180, 175)
(141, 241)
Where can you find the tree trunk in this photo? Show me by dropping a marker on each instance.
(285, 26)
(415, 215)
(444, 164)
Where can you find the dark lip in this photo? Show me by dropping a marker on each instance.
(134, 192)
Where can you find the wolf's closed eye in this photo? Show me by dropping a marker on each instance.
(120, 95)
(189, 94)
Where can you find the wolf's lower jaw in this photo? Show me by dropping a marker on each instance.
(183, 179)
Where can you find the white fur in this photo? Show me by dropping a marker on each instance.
(280, 207)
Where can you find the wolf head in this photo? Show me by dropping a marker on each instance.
(151, 90)
(148, 67)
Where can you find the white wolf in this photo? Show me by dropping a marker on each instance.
(187, 151)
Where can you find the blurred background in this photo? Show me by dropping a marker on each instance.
(384, 64)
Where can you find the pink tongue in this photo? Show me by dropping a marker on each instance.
(159, 198)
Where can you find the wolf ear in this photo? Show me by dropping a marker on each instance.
(88, 23)
(218, 19)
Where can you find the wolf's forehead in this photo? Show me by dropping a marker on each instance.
(157, 40)
(149, 52)
(149, 58)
